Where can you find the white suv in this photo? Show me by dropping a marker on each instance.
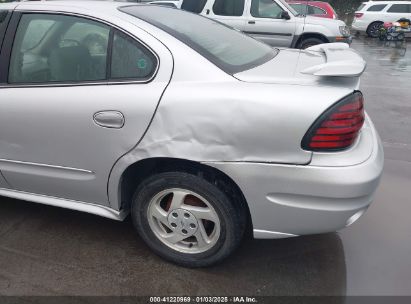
(371, 15)
(272, 21)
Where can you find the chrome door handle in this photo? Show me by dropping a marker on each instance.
(109, 119)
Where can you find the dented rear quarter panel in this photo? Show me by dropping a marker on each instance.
(216, 117)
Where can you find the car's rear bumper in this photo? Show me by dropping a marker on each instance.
(288, 200)
(359, 26)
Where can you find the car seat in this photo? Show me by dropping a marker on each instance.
(72, 63)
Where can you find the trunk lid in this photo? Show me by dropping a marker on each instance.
(332, 64)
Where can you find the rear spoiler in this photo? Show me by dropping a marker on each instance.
(341, 60)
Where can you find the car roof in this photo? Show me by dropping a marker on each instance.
(107, 8)
(100, 5)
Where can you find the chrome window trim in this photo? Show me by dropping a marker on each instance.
(86, 83)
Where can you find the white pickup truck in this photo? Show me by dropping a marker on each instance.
(272, 21)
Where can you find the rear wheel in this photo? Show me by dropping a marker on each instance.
(308, 42)
(186, 219)
(374, 29)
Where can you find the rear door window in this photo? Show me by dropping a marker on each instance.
(130, 59)
(399, 8)
(56, 48)
(229, 7)
(376, 8)
(194, 6)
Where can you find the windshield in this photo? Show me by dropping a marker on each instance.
(228, 49)
(293, 11)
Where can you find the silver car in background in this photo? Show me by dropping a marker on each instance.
(197, 131)
(274, 22)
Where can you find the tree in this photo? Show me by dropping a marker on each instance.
(345, 8)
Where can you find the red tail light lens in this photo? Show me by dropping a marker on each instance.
(358, 15)
(338, 127)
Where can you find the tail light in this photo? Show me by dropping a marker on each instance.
(338, 127)
(358, 15)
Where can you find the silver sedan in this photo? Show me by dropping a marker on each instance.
(197, 131)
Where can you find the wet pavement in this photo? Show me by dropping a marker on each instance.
(51, 251)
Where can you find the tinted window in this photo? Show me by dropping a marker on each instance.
(377, 8)
(229, 7)
(266, 9)
(195, 6)
(228, 49)
(361, 7)
(56, 48)
(130, 59)
(399, 8)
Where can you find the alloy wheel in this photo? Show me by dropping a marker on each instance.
(184, 221)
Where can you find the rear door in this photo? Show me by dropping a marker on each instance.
(230, 12)
(4, 19)
(264, 22)
(79, 94)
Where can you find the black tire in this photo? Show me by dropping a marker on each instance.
(308, 42)
(374, 29)
(232, 218)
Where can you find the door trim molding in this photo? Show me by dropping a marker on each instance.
(268, 33)
(29, 168)
(99, 210)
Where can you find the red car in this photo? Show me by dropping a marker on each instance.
(314, 8)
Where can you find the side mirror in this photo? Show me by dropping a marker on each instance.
(285, 15)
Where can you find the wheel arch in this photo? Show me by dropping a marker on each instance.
(371, 23)
(311, 35)
(137, 172)
(376, 21)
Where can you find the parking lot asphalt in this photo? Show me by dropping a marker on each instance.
(52, 251)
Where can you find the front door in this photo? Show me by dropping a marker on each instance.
(77, 96)
(265, 23)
